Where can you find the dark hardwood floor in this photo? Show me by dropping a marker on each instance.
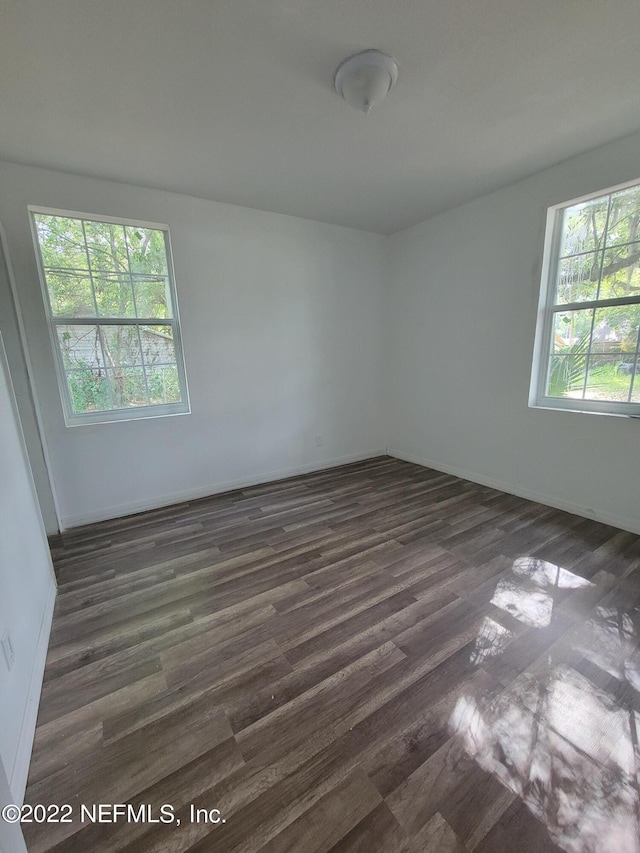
(379, 657)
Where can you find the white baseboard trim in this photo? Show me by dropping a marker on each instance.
(213, 489)
(20, 769)
(629, 524)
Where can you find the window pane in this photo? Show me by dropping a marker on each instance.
(566, 375)
(606, 353)
(616, 329)
(106, 246)
(571, 331)
(606, 334)
(578, 278)
(71, 294)
(569, 346)
(624, 218)
(634, 367)
(605, 381)
(613, 344)
(61, 242)
(80, 347)
(583, 226)
(152, 295)
(164, 386)
(147, 251)
(621, 272)
(113, 294)
(157, 345)
(128, 387)
(89, 391)
(121, 346)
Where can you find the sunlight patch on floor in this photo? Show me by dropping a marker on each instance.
(558, 738)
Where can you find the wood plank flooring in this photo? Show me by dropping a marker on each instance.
(379, 657)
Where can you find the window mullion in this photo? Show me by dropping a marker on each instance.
(588, 357)
(86, 252)
(133, 293)
(111, 321)
(605, 234)
(135, 311)
(97, 324)
(593, 318)
(613, 302)
(591, 251)
(147, 276)
(634, 365)
(144, 369)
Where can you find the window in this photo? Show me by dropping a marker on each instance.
(111, 305)
(588, 333)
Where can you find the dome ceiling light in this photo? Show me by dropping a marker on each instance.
(364, 79)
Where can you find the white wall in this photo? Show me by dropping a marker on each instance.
(28, 590)
(282, 330)
(462, 312)
(292, 328)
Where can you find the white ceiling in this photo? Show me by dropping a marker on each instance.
(232, 99)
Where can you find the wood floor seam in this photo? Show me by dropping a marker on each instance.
(376, 658)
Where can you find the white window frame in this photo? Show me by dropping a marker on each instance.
(72, 418)
(547, 308)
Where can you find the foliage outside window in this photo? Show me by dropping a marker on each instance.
(588, 334)
(112, 310)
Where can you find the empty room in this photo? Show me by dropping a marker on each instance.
(319, 426)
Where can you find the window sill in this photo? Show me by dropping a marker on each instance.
(581, 411)
(119, 416)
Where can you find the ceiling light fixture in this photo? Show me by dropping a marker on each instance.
(364, 79)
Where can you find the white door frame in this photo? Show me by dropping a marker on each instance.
(4, 252)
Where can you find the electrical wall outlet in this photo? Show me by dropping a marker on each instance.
(318, 441)
(7, 648)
